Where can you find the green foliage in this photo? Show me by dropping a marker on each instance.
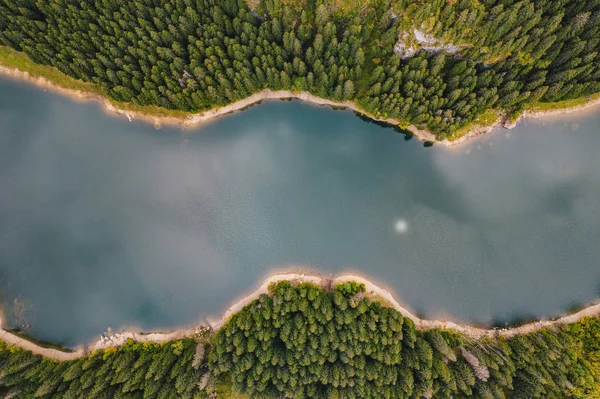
(587, 334)
(131, 371)
(191, 55)
(350, 288)
(301, 343)
(177, 348)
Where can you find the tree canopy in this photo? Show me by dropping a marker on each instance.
(303, 342)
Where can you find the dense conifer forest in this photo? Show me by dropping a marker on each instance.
(303, 341)
(436, 64)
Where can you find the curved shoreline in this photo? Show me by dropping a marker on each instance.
(195, 119)
(532, 114)
(372, 290)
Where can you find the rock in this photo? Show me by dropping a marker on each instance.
(198, 356)
(409, 44)
(204, 380)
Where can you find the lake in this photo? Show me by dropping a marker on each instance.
(110, 223)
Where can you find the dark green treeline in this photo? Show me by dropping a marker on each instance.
(301, 341)
(195, 54)
(134, 371)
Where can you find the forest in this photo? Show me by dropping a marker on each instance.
(304, 341)
(435, 64)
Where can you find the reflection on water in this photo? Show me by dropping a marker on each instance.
(107, 223)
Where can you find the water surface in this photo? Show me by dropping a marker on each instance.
(107, 223)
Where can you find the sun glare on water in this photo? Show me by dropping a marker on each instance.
(401, 226)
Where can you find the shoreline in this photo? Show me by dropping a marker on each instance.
(192, 120)
(374, 291)
(587, 106)
(195, 119)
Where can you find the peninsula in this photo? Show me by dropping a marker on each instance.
(440, 357)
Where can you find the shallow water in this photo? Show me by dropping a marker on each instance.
(107, 223)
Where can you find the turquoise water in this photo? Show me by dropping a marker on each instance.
(107, 223)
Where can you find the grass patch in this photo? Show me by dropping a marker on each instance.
(514, 116)
(13, 59)
(576, 102)
(486, 119)
(224, 389)
(350, 5)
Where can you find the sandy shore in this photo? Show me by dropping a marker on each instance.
(192, 120)
(376, 291)
(55, 354)
(475, 332)
(561, 111)
(372, 290)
